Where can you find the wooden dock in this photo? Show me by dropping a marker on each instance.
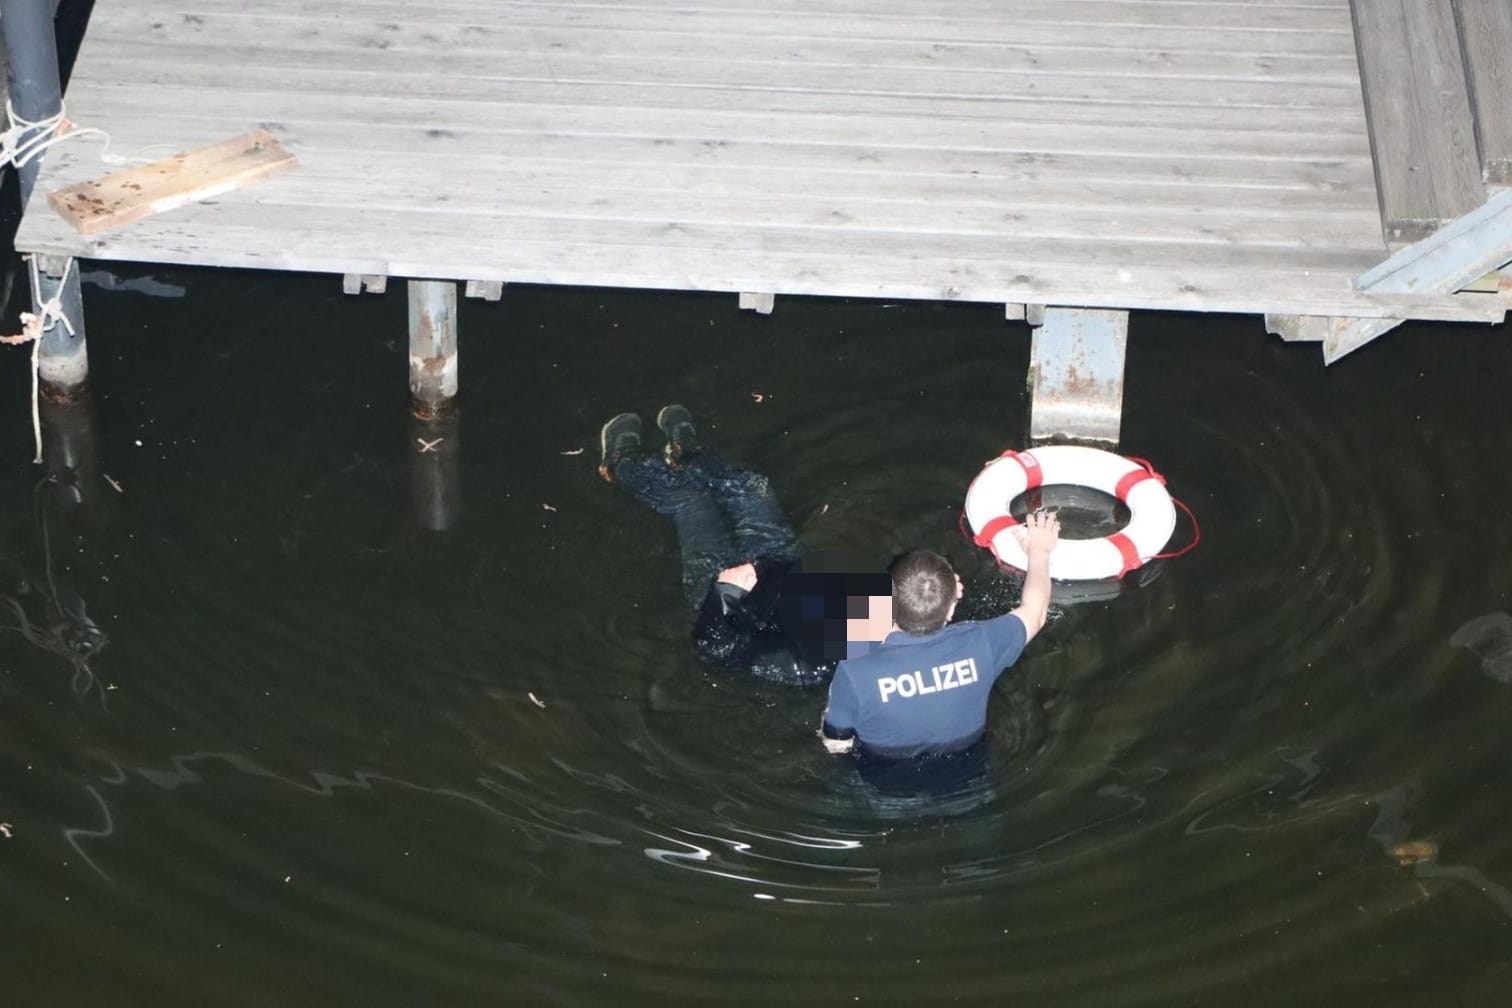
(1201, 155)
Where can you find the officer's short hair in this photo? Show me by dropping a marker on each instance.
(924, 589)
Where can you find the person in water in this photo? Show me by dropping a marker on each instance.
(760, 605)
(923, 690)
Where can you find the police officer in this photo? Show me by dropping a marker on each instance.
(924, 689)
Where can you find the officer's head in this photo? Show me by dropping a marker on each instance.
(925, 591)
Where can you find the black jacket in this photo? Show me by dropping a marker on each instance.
(754, 631)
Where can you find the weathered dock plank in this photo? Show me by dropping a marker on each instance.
(634, 161)
(1485, 30)
(1128, 25)
(1418, 107)
(1047, 50)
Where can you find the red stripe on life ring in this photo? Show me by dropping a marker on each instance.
(992, 528)
(1126, 550)
(1034, 473)
(1130, 481)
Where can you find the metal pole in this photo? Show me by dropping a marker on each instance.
(36, 95)
(31, 47)
(63, 362)
(433, 346)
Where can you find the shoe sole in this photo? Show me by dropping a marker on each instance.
(661, 418)
(672, 451)
(604, 445)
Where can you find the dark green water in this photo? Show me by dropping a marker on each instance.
(306, 768)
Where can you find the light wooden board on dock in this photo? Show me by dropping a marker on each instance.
(130, 195)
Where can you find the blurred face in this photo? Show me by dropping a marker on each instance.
(830, 611)
(868, 618)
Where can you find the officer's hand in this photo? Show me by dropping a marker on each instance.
(1040, 531)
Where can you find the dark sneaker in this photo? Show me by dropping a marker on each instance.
(620, 435)
(682, 437)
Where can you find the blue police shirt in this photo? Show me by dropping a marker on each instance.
(913, 695)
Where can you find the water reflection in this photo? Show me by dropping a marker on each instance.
(435, 450)
(70, 450)
(113, 280)
(42, 608)
(1489, 638)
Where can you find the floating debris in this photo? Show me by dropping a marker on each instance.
(1414, 852)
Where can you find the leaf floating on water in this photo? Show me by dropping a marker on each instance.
(1414, 852)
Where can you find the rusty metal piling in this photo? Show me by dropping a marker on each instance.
(1076, 376)
(433, 347)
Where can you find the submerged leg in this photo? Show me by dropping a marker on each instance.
(762, 531)
(703, 536)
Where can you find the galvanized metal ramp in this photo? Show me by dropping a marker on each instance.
(1447, 260)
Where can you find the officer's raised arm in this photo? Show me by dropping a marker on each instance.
(1039, 535)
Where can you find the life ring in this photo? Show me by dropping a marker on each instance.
(1152, 513)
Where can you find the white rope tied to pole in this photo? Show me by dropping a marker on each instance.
(33, 328)
(52, 308)
(25, 139)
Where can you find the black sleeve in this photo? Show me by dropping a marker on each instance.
(840, 708)
(722, 634)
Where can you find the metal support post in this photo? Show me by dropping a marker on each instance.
(31, 49)
(1076, 367)
(433, 346)
(58, 301)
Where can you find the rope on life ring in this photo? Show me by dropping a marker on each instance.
(1152, 510)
